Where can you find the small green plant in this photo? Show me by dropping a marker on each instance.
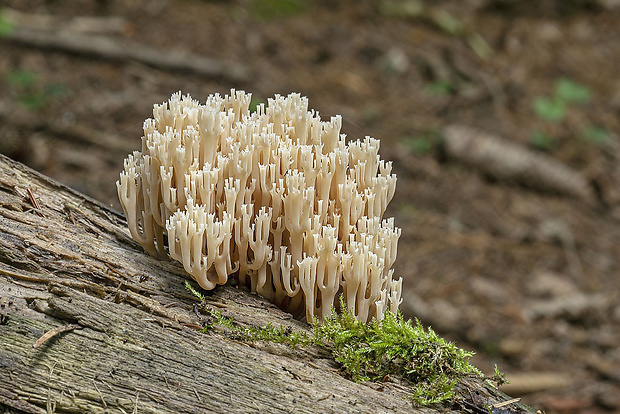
(423, 143)
(499, 377)
(542, 141)
(439, 88)
(30, 92)
(554, 108)
(448, 23)
(595, 135)
(442, 19)
(408, 8)
(549, 109)
(22, 78)
(571, 92)
(6, 25)
(372, 351)
(567, 92)
(276, 9)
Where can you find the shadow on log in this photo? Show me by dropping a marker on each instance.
(90, 323)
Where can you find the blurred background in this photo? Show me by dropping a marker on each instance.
(501, 117)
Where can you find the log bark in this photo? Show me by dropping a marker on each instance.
(90, 323)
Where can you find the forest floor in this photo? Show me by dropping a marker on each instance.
(510, 246)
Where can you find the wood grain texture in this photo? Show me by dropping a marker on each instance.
(137, 349)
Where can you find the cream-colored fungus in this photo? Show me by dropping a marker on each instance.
(276, 196)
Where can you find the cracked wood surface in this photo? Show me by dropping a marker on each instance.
(115, 330)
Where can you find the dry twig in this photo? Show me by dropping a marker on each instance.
(53, 332)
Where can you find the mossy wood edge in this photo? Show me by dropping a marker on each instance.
(134, 346)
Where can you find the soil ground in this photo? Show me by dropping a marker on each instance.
(526, 276)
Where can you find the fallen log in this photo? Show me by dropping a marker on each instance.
(90, 323)
(509, 162)
(108, 48)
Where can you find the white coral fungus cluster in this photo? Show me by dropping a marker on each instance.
(276, 196)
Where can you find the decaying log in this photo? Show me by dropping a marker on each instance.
(108, 48)
(90, 323)
(509, 162)
(77, 24)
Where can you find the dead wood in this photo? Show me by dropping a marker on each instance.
(78, 134)
(81, 24)
(103, 47)
(90, 323)
(509, 162)
(537, 382)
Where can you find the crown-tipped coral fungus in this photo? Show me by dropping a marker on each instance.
(276, 196)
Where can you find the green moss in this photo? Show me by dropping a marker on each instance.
(218, 319)
(372, 351)
(394, 346)
(279, 335)
(193, 291)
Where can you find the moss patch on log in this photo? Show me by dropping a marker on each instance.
(374, 351)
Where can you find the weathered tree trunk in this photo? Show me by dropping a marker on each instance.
(125, 327)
